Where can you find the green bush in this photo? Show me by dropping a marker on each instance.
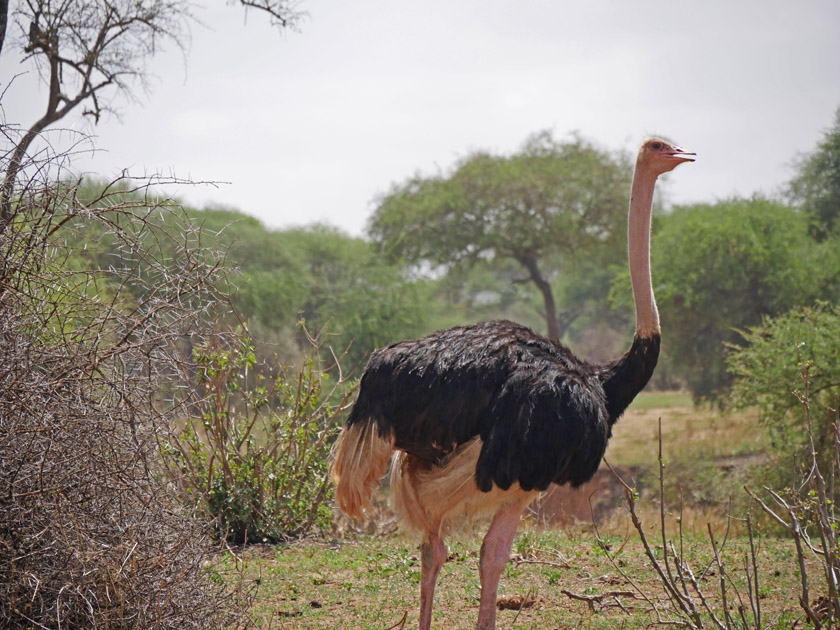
(770, 368)
(253, 454)
(722, 267)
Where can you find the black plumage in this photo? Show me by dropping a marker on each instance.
(543, 415)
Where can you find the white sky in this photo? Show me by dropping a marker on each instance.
(311, 126)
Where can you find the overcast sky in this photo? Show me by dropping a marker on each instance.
(312, 125)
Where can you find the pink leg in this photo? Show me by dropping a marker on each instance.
(494, 555)
(432, 557)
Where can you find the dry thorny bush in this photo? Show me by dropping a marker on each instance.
(89, 536)
(808, 513)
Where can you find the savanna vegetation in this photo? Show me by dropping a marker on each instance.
(173, 378)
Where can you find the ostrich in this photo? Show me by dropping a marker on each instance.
(481, 418)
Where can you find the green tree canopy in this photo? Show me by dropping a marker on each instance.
(816, 188)
(550, 204)
(721, 267)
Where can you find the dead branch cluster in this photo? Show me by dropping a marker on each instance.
(689, 602)
(89, 347)
(806, 512)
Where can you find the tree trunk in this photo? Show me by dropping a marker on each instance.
(529, 261)
(4, 20)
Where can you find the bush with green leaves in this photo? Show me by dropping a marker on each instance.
(253, 453)
(321, 274)
(768, 374)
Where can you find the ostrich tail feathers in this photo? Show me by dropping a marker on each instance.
(359, 460)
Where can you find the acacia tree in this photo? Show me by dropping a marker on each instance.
(90, 51)
(551, 202)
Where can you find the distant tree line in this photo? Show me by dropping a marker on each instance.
(539, 236)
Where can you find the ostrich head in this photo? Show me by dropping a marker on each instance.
(659, 156)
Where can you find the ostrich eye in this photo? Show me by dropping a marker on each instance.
(656, 146)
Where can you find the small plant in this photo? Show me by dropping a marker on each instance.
(253, 453)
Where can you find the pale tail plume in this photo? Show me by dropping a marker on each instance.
(359, 460)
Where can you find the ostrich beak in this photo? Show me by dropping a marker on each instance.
(680, 156)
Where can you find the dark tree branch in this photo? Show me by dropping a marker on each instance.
(101, 44)
(88, 48)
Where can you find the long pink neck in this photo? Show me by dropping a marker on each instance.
(638, 240)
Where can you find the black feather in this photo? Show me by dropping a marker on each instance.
(543, 415)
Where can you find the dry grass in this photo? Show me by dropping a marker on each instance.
(687, 432)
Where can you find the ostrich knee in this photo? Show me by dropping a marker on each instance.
(494, 556)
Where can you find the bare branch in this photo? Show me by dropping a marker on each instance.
(282, 13)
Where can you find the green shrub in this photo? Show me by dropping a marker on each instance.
(253, 454)
(770, 368)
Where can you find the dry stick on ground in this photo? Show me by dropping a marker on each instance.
(591, 600)
(400, 623)
(559, 565)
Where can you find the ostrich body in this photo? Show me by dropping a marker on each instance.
(479, 419)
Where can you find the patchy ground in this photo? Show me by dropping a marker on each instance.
(554, 580)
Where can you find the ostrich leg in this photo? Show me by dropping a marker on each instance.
(432, 557)
(495, 551)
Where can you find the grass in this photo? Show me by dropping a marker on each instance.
(661, 400)
(373, 582)
(687, 432)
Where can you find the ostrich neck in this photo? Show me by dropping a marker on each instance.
(638, 243)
